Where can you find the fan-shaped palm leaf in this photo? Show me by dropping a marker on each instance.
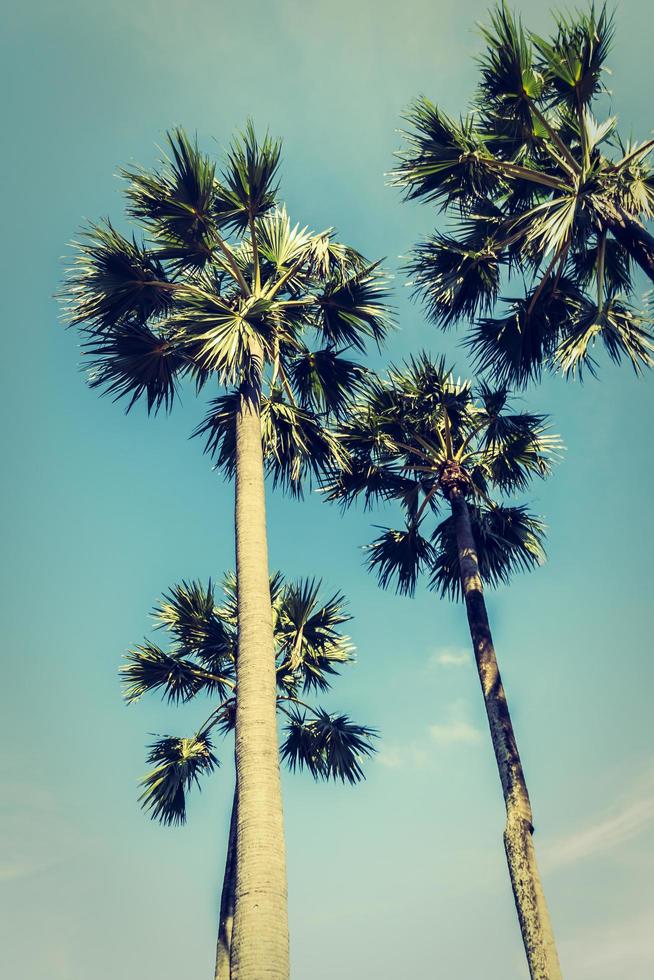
(131, 360)
(329, 746)
(114, 279)
(179, 764)
(508, 540)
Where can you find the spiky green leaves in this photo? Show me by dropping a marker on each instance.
(297, 447)
(113, 280)
(179, 764)
(508, 540)
(329, 746)
(573, 60)
(177, 202)
(354, 309)
(248, 188)
(444, 161)
(310, 648)
(310, 644)
(561, 212)
(457, 279)
(422, 437)
(130, 360)
(149, 668)
(399, 556)
(224, 286)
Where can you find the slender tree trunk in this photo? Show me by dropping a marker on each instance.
(227, 901)
(260, 936)
(635, 239)
(535, 924)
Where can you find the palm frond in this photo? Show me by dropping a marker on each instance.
(113, 279)
(354, 309)
(456, 280)
(131, 360)
(508, 540)
(179, 764)
(398, 557)
(573, 60)
(189, 612)
(623, 331)
(297, 447)
(248, 187)
(177, 202)
(509, 79)
(444, 160)
(149, 668)
(325, 381)
(330, 746)
(219, 335)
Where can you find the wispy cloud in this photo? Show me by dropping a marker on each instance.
(612, 829)
(449, 657)
(622, 949)
(413, 755)
(456, 729)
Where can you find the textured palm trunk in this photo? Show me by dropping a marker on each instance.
(635, 239)
(260, 937)
(227, 901)
(535, 924)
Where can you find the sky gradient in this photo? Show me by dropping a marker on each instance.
(403, 876)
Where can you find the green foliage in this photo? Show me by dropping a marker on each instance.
(542, 198)
(508, 540)
(179, 763)
(329, 746)
(420, 437)
(222, 286)
(201, 660)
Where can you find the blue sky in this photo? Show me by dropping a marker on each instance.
(404, 875)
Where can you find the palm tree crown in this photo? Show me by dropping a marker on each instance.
(547, 206)
(222, 284)
(419, 434)
(310, 647)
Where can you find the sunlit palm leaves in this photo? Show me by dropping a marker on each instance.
(329, 746)
(114, 279)
(420, 434)
(508, 540)
(310, 648)
(223, 285)
(558, 200)
(179, 763)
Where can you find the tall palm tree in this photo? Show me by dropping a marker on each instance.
(421, 438)
(547, 206)
(201, 659)
(222, 286)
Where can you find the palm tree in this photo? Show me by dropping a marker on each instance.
(222, 286)
(420, 437)
(547, 206)
(202, 660)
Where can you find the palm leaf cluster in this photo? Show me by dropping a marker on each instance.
(545, 206)
(220, 283)
(201, 658)
(417, 435)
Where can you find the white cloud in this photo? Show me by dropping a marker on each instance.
(614, 828)
(450, 657)
(457, 729)
(390, 756)
(622, 949)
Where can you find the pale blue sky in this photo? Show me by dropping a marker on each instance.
(403, 876)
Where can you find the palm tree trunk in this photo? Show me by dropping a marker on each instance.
(535, 924)
(224, 944)
(635, 239)
(260, 937)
